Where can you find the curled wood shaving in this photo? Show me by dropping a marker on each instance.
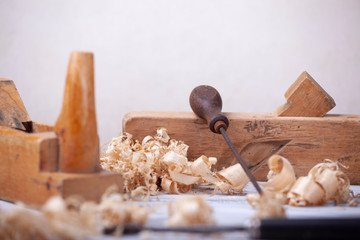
(324, 182)
(235, 176)
(280, 179)
(183, 178)
(160, 162)
(189, 211)
(173, 187)
(281, 176)
(306, 192)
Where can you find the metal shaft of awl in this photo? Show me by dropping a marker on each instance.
(240, 160)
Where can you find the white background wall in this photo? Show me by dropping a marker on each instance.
(149, 55)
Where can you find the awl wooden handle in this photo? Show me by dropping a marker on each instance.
(206, 103)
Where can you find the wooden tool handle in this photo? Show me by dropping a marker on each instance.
(76, 124)
(206, 103)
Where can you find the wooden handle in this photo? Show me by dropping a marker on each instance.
(306, 98)
(206, 103)
(76, 124)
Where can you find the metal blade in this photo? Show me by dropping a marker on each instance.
(255, 154)
(12, 110)
(240, 160)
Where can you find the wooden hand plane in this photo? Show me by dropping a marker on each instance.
(38, 161)
(313, 135)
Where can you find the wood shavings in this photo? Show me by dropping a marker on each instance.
(306, 192)
(173, 187)
(142, 192)
(267, 205)
(143, 165)
(353, 202)
(183, 178)
(115, 209)
(281, 176)
(69, 220)
(202, 167)
(160, 162)
(55, 221)
(235, 175)
(189, 211)
(325, 182)
(72, 218)
(20, 223)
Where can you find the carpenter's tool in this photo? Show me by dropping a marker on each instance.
(38, 161)
(312, 228)
(206, 102)
(314, 136)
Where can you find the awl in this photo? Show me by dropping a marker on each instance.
(206, 103)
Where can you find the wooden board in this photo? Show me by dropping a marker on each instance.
(313, 139)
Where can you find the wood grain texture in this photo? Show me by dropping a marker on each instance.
(306, 98)
(42, 127)
(76, 124)
(27, 164)
(12, 109)
(313, 139)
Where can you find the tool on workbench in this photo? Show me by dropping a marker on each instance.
(206, 103)
(314, 135)
(304, 228)
(38, 161)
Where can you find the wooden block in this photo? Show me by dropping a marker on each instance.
(313, 139)
(306, 98)
(12, 110)
(27, 164)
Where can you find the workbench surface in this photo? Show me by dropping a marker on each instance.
(229, 210)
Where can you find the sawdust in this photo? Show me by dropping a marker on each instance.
(161, 163)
